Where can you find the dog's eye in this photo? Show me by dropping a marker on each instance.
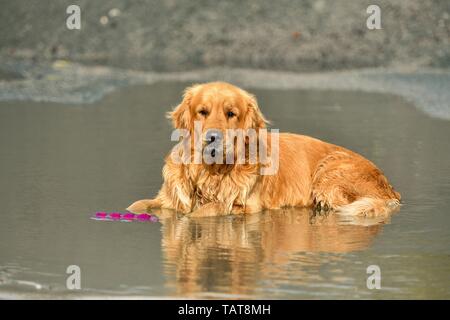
(230, 114)
(203, 112)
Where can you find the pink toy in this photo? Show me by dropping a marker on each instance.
(117, 216)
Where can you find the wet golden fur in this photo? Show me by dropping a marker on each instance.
(312, 173)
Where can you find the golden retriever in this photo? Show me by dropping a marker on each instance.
(310, 172)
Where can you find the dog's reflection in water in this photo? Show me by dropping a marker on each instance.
(231, 254)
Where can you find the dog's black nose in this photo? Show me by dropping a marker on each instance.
(213, 135)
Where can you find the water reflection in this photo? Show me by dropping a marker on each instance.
(232, 254)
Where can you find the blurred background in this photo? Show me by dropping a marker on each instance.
(171, 35)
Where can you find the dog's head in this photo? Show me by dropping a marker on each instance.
(217, 107)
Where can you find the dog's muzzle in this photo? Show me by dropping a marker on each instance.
(213, 142)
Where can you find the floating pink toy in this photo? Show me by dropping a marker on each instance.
(117, 216)
(129, 216)
(101, 215)
(143, 217)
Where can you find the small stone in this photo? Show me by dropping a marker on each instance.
(104, 20)
(114, 12)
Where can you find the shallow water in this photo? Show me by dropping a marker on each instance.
(61, 163)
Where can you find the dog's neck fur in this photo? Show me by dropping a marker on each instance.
(229, 184)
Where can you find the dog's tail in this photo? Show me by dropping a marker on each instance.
(367, 206)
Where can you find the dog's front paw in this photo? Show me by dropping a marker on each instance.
(211, 209)
(140, 206)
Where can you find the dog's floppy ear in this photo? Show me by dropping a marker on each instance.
(181, 114)
(254, 117)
